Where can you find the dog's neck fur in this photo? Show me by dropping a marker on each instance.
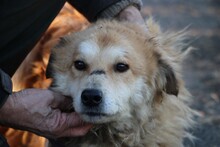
(100, 135)
(117, 134)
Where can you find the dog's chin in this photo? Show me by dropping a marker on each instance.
(97, 118)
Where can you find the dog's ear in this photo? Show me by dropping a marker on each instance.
(49, 71)
(170, 83)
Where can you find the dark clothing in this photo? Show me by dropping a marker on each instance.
(3, 142)
(5, 87)
(91, 9)
(23, 23)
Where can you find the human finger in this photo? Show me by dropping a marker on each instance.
(77, 131)
(74, 120)
(61, 102)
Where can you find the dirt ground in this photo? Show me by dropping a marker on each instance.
(202, 68)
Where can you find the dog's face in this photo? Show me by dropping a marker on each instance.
(109, 71)
(104, 80)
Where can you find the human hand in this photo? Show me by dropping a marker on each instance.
(131, 14)
(40, 111)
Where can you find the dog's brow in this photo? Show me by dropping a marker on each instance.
(115, 51)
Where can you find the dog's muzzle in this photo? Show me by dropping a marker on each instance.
(94, 107)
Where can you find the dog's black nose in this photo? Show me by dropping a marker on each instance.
(91, 97)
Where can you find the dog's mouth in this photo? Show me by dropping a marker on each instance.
(96, 117)
(95, 114)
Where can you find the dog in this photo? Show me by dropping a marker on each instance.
(125, 78)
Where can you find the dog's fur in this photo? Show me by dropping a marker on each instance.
(145, 105)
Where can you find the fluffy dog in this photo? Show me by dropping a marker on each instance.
(125, 79)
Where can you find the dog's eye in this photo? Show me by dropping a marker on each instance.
(80, 65)
(121, 67)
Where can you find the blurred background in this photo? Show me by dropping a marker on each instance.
(202, 68)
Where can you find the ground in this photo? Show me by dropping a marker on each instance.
(202, 67)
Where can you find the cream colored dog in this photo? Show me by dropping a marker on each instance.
(125, 79)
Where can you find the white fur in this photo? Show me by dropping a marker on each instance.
(88, 49)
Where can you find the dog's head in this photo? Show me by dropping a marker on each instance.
(111, 69)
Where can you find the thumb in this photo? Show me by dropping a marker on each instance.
(61, 102)
(77, 131)
(73, 119)
(75, 126)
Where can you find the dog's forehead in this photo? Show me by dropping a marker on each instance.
(91, 48)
